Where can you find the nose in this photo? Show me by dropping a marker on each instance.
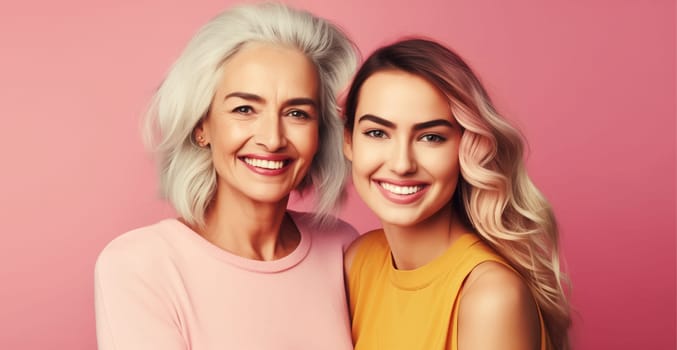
(403, 159)
(270, 133)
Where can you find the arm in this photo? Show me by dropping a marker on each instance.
(132, 310)
(497, 311)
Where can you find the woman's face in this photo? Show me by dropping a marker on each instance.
(262, 125)
(403, 148)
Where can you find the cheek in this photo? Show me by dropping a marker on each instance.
(366, 161)
(231, 134)
(313, 139)
(443, 163)
(305, 139)
(450, 168)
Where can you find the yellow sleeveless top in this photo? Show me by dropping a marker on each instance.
(412, 309)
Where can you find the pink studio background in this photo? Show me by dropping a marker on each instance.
(591, 84)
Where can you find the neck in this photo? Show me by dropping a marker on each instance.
(417, 245)
(251, 229)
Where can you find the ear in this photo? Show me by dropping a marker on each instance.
(348, 144)
(200, 134)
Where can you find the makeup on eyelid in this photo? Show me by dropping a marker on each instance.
(403, 148)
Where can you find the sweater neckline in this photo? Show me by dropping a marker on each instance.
(270, 266)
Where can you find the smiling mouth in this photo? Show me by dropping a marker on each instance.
(265, 164)
(401, 190)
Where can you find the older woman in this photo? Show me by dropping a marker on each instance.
(245, 116)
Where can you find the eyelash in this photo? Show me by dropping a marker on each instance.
(380, 134)
(371, 133)
(296, 114)
(243, 110)
(436, 138)
(301, 114)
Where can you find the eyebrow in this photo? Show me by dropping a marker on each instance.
(298, 101)
(377, 120)
(419, 126)
(433, 123)
(246, 96)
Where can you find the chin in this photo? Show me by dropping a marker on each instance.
(268, 197)
(408, 217)
(399, 218)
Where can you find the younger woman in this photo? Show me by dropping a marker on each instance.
(468, 256)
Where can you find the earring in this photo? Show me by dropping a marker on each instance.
(201, 141)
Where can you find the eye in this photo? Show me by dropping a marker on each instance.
(432, 138)
(377, 134)
(243, 110)
(298, 114)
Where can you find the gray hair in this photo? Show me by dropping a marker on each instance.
(186, 171)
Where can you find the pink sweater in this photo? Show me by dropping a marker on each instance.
(165, 287)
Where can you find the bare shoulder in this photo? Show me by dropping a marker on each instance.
(351, 252)
(497, 311)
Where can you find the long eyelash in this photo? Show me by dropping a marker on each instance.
(369, 133)
(439, 138)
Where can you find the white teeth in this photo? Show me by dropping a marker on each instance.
(265, 164)
(401, 189)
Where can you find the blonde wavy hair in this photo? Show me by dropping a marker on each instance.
(494, 194)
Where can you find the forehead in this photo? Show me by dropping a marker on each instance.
(263, 68)
(402, 97)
